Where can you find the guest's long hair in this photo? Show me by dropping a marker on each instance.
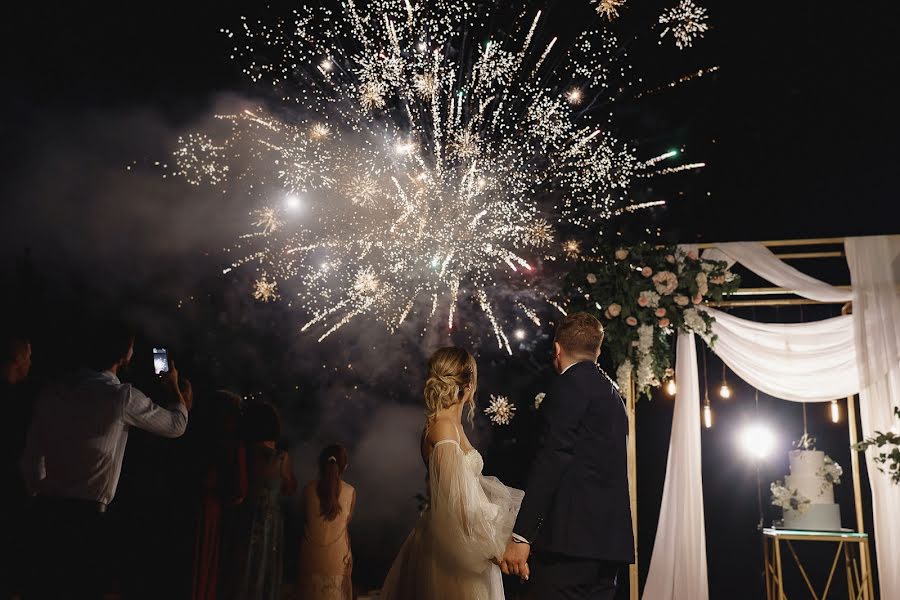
(332, 463)
(450, 370)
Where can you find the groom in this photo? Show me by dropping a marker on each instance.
(576, 515)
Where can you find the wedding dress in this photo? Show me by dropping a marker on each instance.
(468, 523)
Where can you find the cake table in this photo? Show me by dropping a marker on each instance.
(853, 546)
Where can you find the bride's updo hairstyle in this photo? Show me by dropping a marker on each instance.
(450, 370)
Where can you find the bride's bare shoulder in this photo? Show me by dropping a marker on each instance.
(440, 430)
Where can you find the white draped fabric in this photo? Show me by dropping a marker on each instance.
(678, 566)
(803, 362)
(767, 265)
(875, 276)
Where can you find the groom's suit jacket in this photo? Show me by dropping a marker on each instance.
(576, 500)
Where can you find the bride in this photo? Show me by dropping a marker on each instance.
(455, 547)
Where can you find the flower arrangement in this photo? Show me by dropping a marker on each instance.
(643, 294)
(831, 471)
(888, 458)
(788, 498)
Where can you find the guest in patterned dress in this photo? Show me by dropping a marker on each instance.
(326, 562)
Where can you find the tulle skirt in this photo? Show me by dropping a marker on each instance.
(441, 562)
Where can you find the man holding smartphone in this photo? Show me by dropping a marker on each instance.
(73, 459)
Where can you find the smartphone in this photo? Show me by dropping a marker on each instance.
(160, 360)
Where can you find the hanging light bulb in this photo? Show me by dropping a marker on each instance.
(835, 412)
(670, 387)
(725, 390)
(707, 416)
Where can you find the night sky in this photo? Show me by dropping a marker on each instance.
(799, 130)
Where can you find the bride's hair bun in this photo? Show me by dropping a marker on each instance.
(450, 370)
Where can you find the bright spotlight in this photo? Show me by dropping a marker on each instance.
(293, 202)
(520, 334)
(757, 440)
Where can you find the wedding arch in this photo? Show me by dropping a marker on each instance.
(821, 361)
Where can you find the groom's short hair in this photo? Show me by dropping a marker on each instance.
(580, 334)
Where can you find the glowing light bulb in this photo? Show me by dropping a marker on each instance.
(835, 412)
(725, 391)
(422, 47)
(520, 334)
(707, 416)
(670, 387)
(325, 65)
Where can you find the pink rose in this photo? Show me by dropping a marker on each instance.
(693, 255)
(607, 315)
(631, 321)
(718, 279)
(697, 299)
(670, 258)
(646, 271)
(591, 278)
(664, 322)
(643, 301)
(614, 310)
(682, 300)
(660, 312)
(665, 282)
(621, 254)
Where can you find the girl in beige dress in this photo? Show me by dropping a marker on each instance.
(326, 562)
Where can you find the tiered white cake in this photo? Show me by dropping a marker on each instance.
(808, 479)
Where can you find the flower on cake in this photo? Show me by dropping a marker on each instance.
(830, 471)
(788, 498)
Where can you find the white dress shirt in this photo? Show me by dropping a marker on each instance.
(78, 435)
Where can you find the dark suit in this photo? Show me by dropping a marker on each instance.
(577, 511)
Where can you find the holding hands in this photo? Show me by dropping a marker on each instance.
(515, 560)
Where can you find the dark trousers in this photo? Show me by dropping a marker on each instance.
(67, 545)
(558, 577)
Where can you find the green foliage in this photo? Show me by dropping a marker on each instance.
(888, 458)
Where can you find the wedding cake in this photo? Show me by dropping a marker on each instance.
(807, 494)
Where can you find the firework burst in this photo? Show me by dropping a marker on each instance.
(500, 410)
(609, 8)
(428, 168)
(264, 290)
(686, 22)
